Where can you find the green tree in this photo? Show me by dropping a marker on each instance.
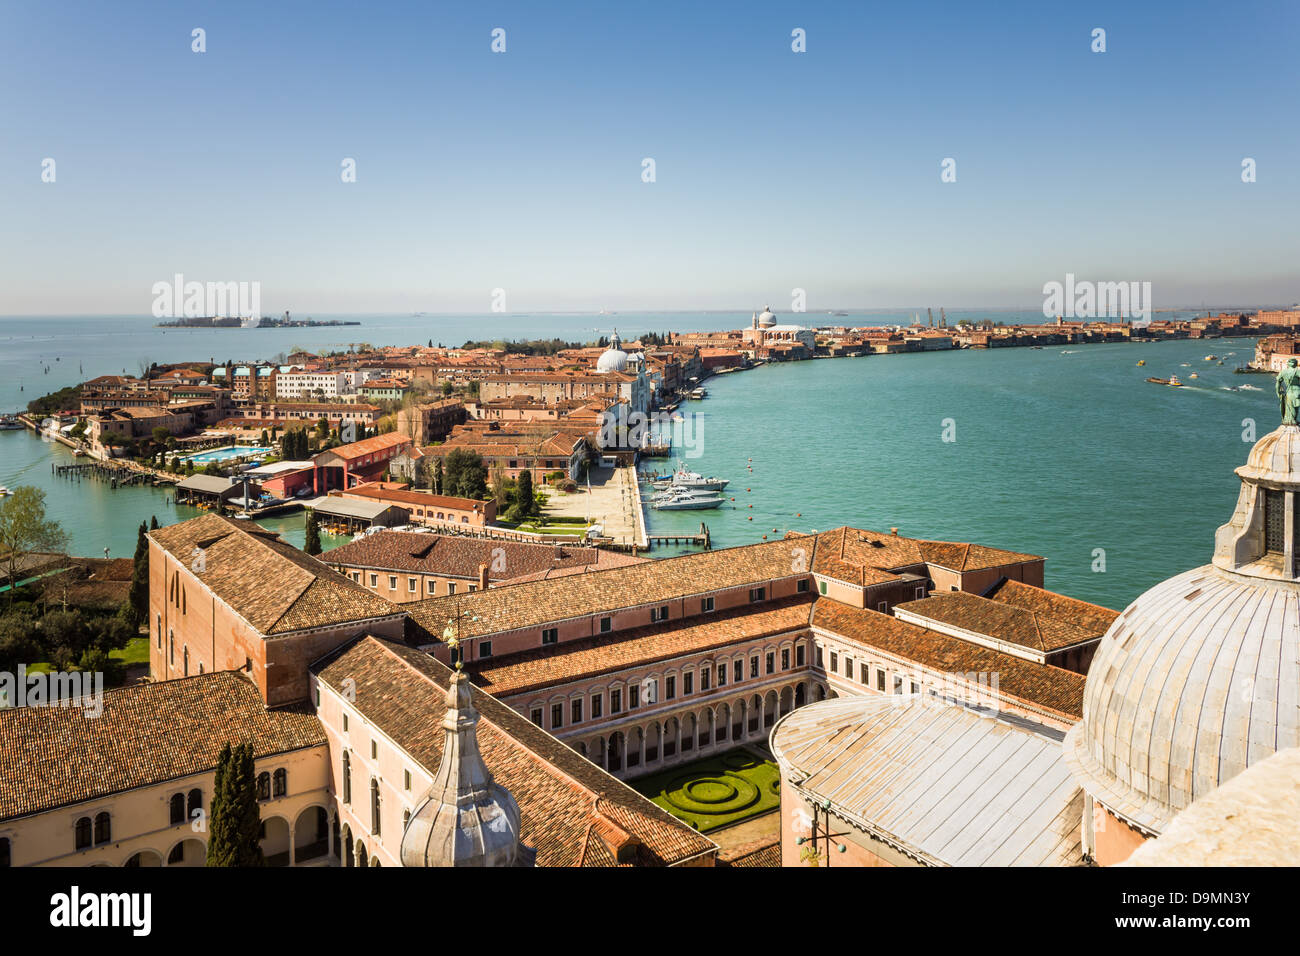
(153, 523)
(266, 439)
(437, 477)
(25, 531)
(160, 435)
(447, 388)
(323, 428)
(235, 821)
(312, 543)
(137, 602)
(525, 501)
(466, 475)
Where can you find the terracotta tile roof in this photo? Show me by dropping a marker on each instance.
(367, 446)
(149, 733)
(870, 557)
(1041, 685)
(271, 584)
(458, 556)
(406, 497)
(765, 851)
(589, 657)
(1019, 614)
(566, 802)
(540, 602)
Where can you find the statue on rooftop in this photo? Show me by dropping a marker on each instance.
(1288, 392)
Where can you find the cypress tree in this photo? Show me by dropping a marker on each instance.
(153, 523)
(312, 543)
(235, 822)
(525, 502)
(138, 598)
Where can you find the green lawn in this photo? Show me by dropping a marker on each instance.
(135, 652)
(716, 791)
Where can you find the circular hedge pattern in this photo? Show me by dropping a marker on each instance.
(721, 794)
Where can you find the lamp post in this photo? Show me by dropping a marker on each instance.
(822, 830)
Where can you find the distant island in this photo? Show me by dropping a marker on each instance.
(234, 322)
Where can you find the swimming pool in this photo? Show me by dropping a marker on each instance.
(225, 454)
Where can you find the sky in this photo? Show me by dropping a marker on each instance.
(522, 170)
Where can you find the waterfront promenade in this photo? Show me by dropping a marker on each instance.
(613, 501)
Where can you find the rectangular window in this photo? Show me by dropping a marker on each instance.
(550, 635)
(536, 716)
(785, 658)
(688, 680)
(706, 605)
(920, 593)
(753, 666)
(670, 687)
(406, 779)
(738, 671)
(1274, 520)
(412, 585)
(606, 625)
(575, 707)
(770, 661)
(883, 607)
(451, 587)
(819, 656)
(898, 684)
(799, 655)
(595, 706)
(392, 582)
(757, 594)
(880, 679)
(864, 674)
(615, 701)
(658, 614)
(915, 688)
(374, 580)
(722, 675)
(835, 662)
(848, 667)
(473, 587)
(821, 587)
(633, 696)
(704, 678)
(484, 648)
(433, 587)
(801, 586)
(374, 750)
(557, 716)
(345, 723)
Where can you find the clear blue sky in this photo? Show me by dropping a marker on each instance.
(522, 170)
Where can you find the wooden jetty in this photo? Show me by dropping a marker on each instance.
(700, 538)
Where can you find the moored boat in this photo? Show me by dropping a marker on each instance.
(681, 499)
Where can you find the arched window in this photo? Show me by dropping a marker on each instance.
(103, 829)
(171, 647)
(195, 802)
(406, 819)
(374, 806)
(5, 857)
(347, 777)
(264, 786)
(281, 782)
(185, 660)
(83, 833)
(178, 808)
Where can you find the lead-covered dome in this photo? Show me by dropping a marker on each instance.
(1200, 676)
(766, 320)
(613, 359)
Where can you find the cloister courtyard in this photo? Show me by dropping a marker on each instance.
(717, 791)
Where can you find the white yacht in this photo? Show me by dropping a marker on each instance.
(684, 499)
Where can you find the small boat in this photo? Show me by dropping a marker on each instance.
(10, 423)
(1171, 381)
(698, 393)
(4, 491)
(1210, 358)
(697, 482)
(1193, 375)
(681, 499)
(1220, 361)
(1141, 362)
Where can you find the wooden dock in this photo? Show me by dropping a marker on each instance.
(701, 538)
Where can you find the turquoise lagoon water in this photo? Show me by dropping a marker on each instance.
(1059, 452)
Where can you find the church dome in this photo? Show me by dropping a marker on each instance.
(1200, 676)
(613, 359)
(766, 320)
(465, 818)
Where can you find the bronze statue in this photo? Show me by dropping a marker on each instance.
(1288, 392)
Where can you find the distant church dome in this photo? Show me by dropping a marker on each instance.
(613, 359)
(766, 320)
(465, 818)
(1199, 678)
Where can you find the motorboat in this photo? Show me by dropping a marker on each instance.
(683, 499)
(1141, 362)
(1172, 380)
(697, 482)
(4, 492)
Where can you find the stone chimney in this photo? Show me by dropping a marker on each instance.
(482, 577)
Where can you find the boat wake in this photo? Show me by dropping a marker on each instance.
(1250, 388)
